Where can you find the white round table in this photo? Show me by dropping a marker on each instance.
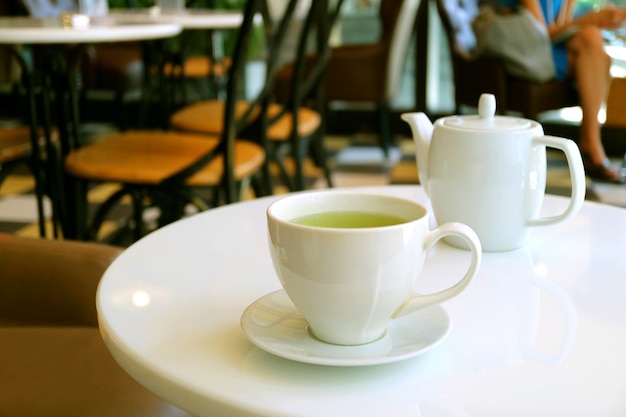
(540, 332)
(18, 31)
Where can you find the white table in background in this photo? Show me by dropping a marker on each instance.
(29, 31)
(187, 18)
(541, 331)
(59, 45)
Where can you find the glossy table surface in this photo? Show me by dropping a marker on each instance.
(24, 30)
(540, 332)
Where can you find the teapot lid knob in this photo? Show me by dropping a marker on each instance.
(486, 120)
(487, 106)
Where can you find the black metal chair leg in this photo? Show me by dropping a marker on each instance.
(103, 211)
(280, 155)
(318, 152)
(138, 207)
(79, 190)
(384, 128)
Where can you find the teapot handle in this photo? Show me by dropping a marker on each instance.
(577, 175)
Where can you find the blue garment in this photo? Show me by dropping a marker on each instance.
(559, 54)
(550, 10)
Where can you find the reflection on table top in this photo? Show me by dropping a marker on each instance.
(22, 30)
(540, 332)
(188, 18)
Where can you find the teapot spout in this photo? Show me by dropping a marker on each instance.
(422, 131)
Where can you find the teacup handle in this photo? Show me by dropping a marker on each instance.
(418, 301)
(577, 174)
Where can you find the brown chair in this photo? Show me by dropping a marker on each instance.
(118, 68)
(199, 61)
(33, 139)
(201, 70)
(291, 127)
(15, 141)
(196, 69)
(52, 356)
(472, 77)
(614, 128)
(115, 67)
(616, 105)
(169, 170)
(372, 72)
(15, 149)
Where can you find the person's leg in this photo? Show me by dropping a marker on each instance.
(590, 66)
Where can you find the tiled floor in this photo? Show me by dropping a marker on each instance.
(356, 161)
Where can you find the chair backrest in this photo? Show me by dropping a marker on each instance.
(50, 282)
(398, 23)
(14, 144)
(268, 33)
(372, 71)
(308, 72)
(270, 37)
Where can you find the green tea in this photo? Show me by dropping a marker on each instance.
(349, 219)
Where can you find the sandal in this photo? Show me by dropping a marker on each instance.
(603, 172)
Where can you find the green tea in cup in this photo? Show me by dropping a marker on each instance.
(349, 219)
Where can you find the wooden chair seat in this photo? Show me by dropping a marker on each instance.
(199, 67)
(207, 116)
(16, 151)
(16, 148)
(146, 158)
(309, 121)
(14, 143)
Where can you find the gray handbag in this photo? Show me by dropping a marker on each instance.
(522, 43)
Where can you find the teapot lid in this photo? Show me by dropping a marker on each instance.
(486, 119)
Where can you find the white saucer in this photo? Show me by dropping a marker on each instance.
(274, 324)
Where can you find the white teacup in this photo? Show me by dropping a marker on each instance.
(349, 282)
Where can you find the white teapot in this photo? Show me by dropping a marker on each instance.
(489, 172)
